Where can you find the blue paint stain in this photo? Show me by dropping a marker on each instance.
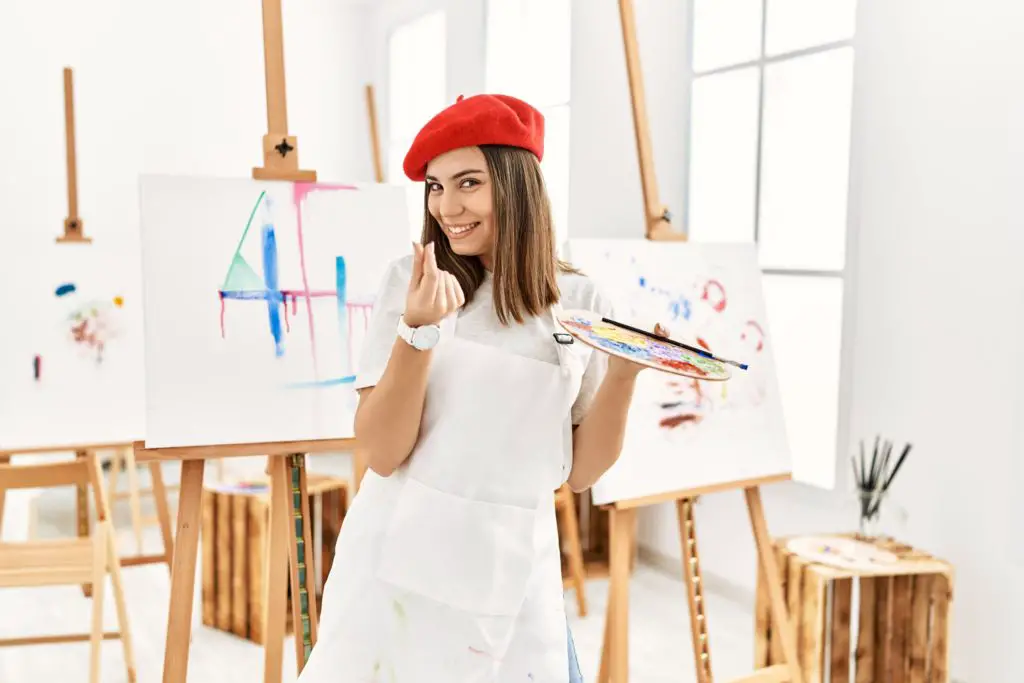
(340, 279)
(66, 288)
(270, 277)
(258, 295)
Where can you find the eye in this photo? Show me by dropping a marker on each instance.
(469, 182)
(434, 187)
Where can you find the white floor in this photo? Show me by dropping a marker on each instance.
(660, 645)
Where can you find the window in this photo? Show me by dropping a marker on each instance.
(415, 94)
(539, 75)
(771, 98)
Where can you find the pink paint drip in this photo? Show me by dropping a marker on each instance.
(300, 191)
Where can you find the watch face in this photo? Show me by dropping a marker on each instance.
(426, 337)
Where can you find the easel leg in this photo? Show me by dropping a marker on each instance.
(163, 513)
(694, 590)
(615, 656)
(4, 460)
(276, 587)
(183, 572)
(135, 501)
(82, 516)
(302, 583)
(781, 624)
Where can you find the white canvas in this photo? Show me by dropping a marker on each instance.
(688, 434)
(248, 366)
(78, 307)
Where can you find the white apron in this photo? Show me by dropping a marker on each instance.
(449, 571)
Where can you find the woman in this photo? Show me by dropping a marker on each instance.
(471, 414)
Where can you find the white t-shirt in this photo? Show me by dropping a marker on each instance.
(478, 322)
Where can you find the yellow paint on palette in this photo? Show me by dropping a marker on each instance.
(119, 301)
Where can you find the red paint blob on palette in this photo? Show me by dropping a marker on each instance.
(640, 348)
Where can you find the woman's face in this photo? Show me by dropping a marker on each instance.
(460, 200)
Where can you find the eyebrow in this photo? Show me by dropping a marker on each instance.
(458, 175)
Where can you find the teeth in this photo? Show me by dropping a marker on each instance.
(457, 229)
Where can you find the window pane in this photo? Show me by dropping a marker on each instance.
(540, 74)
(805, 161)
(416, 86)
(723, 157)
(799, 24)
(556, 167)
(805, 323)
(725, 32)
(414, 191)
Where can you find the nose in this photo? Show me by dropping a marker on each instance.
(451, 205)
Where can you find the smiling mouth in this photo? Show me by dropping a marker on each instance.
(457, 232)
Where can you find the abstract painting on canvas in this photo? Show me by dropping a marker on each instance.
(685, 434)
(71, 348)
(257, 295)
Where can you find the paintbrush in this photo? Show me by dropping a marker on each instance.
(890, 476)
(695, 349)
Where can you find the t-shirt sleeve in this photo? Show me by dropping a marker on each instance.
(381, 333)
(598, 362)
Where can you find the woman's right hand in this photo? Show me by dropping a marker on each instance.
(433, 293)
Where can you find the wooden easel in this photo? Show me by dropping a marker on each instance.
(290, 542)
(622, 514)
(280, 150)
(371, 113)
(73, 229)
(290, 538)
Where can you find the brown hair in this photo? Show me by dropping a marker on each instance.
(525, 259)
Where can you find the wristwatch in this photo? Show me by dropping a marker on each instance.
(420, 338)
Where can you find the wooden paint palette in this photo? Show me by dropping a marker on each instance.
(650, 350)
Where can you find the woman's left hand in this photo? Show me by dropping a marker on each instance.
(626, 368)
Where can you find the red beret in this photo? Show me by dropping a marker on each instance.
(472, 121)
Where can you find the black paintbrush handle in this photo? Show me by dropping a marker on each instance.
(695, 349)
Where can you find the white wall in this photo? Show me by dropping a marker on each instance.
(937, 143)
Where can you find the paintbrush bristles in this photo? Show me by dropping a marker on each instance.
(874, 479)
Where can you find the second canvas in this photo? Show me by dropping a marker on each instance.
(257, 295)
(683, 434)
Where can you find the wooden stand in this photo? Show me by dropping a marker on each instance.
(622, 514)
(73, 229)
(83, 452)
(903, 618)
(289, 541)
(371, 112)
(657, 218)
(280, 150)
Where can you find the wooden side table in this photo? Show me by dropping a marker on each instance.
(858, 621)
(235, 519)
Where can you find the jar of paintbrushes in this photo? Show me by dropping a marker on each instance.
(878, 515)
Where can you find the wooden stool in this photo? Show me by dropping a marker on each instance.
(88, 560)
(574, 573)
(903, 608)
(234, 533)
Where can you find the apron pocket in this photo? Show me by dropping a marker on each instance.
(471, 555)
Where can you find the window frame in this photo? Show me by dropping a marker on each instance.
(840, 479)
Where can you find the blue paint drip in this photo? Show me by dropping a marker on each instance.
(270, 277)
(66, 288)
(340, 283)
(349, 379)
